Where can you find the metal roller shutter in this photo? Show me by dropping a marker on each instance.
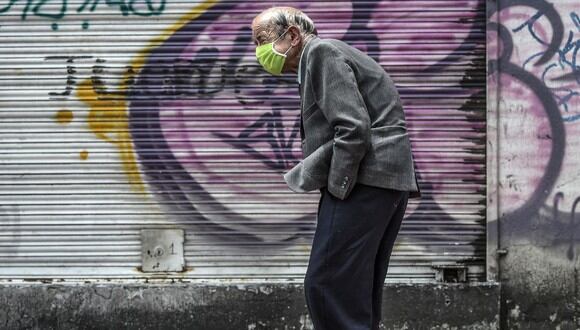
(117, 118)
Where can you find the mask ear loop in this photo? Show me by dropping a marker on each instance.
(274, 49)
(288, 50)
(283, 33)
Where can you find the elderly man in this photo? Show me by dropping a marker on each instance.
(356, 152)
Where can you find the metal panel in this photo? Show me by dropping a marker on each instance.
(118, 119)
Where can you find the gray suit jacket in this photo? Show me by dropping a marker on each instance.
(353, 125)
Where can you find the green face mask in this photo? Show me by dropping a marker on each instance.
(270, 59)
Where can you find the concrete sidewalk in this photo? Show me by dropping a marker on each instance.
(247, 306)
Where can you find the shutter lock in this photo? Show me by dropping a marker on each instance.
(162, 250)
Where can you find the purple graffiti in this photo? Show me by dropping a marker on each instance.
(214, 133)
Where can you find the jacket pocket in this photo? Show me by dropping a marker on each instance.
(317, 164)
(312, 172)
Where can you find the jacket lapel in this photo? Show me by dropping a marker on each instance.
(303, 61)
(302, 67)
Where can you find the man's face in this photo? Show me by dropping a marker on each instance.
(263, 34)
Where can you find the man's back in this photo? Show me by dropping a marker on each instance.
(387, 160)
(375, 85)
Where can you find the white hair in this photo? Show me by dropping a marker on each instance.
(283, 17)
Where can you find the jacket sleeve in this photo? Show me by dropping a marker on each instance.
(336, 92)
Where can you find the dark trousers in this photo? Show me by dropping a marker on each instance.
(350, 253)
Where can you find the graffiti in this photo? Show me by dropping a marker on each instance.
(530, 105)
(202, 135)
(567, 230)
(558, 69)
(107, 107)
(178, 77)
(195, 78)
(75, 73)
(544, 95)
(71, 78)
(208, 134)
(58, 10)
(202, 116)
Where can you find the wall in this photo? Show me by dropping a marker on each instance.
(117, 116)
(120, 116)
(533, 163)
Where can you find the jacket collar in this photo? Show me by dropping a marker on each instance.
(303, 56)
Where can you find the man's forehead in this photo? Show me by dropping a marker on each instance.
(259, 26)
(260, 31)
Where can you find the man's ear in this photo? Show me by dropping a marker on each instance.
(294, 35)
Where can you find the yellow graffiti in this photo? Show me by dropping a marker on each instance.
(84, 155)
(108, 118)
(64, 116)
(108, 121)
